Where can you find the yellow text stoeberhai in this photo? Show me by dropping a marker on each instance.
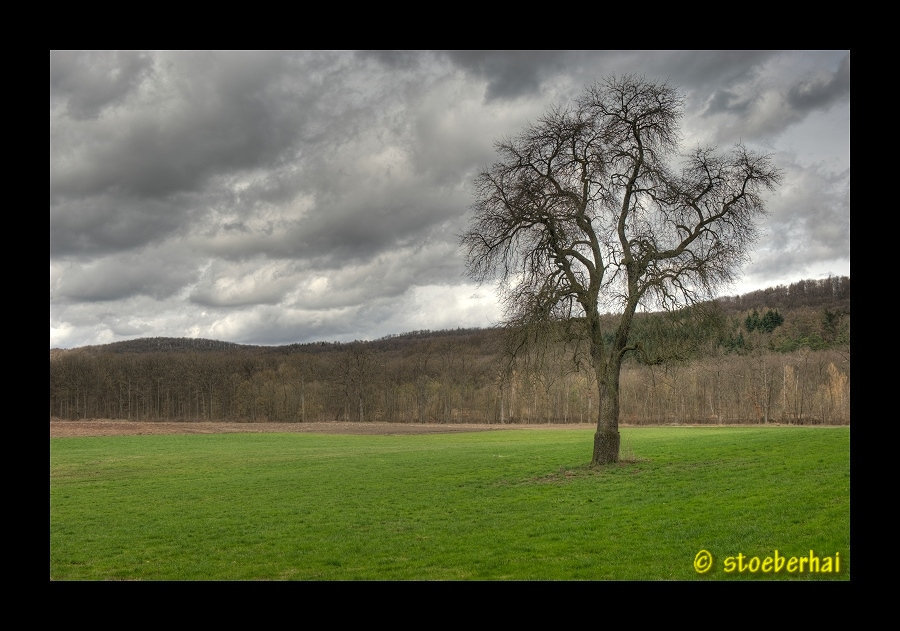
(812, 564)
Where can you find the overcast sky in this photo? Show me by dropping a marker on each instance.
(280, 197)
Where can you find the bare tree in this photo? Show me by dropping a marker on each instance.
(585, 213)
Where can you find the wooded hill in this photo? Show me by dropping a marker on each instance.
(776, 355)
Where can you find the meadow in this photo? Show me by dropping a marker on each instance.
(482, 506)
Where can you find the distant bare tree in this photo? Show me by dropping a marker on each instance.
(585, 213)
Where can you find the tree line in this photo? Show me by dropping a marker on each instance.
(795, 371)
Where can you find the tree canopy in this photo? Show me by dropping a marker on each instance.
(592, 209)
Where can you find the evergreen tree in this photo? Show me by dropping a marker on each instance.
(771, 321)
(752, 321)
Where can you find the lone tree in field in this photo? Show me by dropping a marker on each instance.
(587, 210)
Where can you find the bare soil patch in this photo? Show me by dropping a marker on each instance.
(115, 427)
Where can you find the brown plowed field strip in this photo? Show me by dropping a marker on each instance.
(103, 427)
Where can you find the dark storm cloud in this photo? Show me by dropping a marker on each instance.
(517, 73)
(401, 59)
(205, 114)
(361, 231)
(763, 101)
(512, 74)
(87, 82)
(142, 172)
(158, 274)
(106, 223)
(822, 92)
(701, 70)
(377, 178)
(327, 226)
(177, 156)
(509, 73)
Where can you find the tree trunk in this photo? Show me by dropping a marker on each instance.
(606, 438)
(606, 447)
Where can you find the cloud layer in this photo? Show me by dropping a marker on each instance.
(276, 197)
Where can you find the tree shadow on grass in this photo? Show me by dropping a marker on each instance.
(626, 464)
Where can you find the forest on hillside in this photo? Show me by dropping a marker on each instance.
(776, 355)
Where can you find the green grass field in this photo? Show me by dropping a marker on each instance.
(501, 505)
